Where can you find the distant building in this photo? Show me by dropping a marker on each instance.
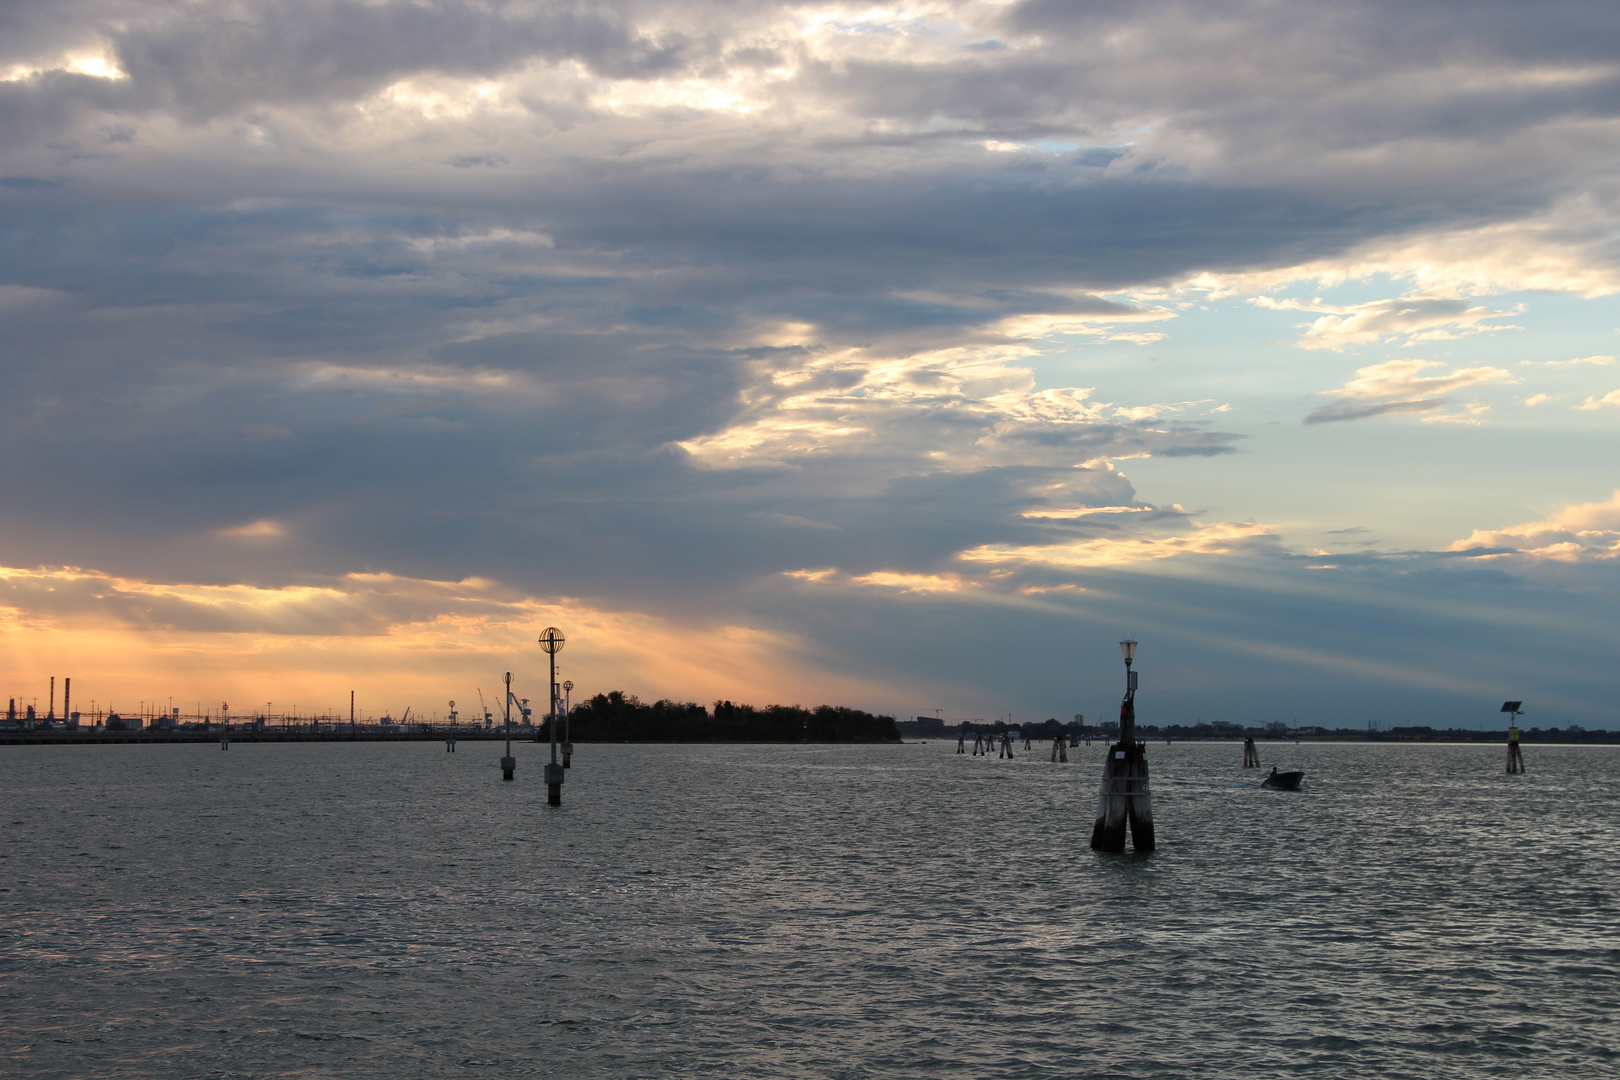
(1276, 727)
(922, 727)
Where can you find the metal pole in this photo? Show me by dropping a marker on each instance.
(568, 723)
(552, 723)
(508, 763)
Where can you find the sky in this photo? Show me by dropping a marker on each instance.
(903, 357)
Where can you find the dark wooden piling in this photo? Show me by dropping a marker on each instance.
(1124, 799)
(1251, 756)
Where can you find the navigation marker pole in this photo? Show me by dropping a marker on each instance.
(1515, 760)
(568, 713)
(552, 640)
(1124, 797)
(508, 763)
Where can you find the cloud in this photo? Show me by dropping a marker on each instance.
(1552, 249)
(651, 304)
(1592, 403)
(1224, 538)
(1584, 532)
(397, 640)
(949, 410)
(1397, 386)
(1414, 318)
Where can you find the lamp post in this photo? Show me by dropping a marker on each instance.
(1124, 798)
(508, 762)
(552, 640)
(1127, 712)
(568, 721)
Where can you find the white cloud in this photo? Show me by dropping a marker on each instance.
(1399, 386)
(1579, 533)
(954, 410)
(1592, 403)
(1414, 318)
(1223, 538)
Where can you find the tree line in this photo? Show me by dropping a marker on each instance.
(620, 717)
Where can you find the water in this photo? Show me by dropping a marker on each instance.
(374, 910)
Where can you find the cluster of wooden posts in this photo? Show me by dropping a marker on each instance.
(984, 743)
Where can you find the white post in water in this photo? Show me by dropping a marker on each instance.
(1124, 798)
(551, 640)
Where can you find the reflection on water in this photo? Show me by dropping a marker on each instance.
(790, 911)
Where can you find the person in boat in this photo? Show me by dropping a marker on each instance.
(1273, 772)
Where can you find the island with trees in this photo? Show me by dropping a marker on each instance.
(620, 717)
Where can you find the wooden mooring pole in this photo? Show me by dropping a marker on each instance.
(1124, 799)
(1251, 756)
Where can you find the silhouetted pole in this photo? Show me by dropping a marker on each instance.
(351, 714)
(1251, 756)
(508, 763)
(552, 640)
(1124, 798)
(568, 721)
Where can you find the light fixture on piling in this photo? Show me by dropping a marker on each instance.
(1128, 647)
(552, 641)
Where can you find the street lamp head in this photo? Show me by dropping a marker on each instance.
(568, 684)
(551, 640)
(1128, 647)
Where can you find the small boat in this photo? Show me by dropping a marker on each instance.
(1283, 781)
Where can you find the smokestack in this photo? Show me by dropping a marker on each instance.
(67, 698)
(50, 713)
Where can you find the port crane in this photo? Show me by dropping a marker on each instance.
(489, 719)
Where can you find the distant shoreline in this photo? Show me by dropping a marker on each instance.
(90, 737)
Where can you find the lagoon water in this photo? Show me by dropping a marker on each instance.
(390, 910)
